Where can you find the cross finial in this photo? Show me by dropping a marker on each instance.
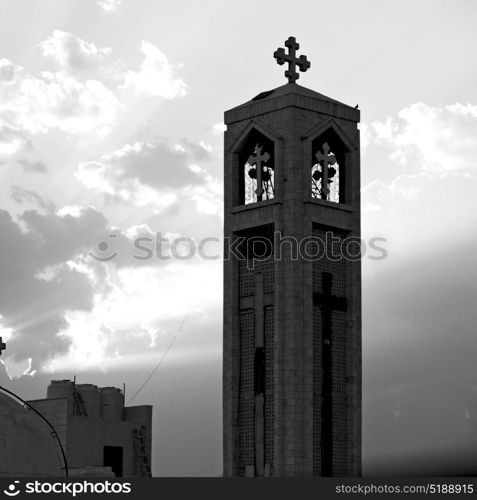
(326, 160)
(256, 159)
(282, 57)
(3, 346)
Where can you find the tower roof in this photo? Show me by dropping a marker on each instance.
(294, 88)
(291, 94)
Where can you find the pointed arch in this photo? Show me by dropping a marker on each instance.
(330, 184)
(263, 129)
(331, 123)
(253, 155)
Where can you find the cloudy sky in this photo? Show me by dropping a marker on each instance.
(111, 129)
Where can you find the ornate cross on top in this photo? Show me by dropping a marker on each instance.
(256, 159)
(3, 346)
(282, 57)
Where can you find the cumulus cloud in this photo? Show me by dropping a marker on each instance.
(432, 156)
(68, 310)
(109, 5)
(157, 173)
(440, 138)
(84, 94)
(26, 196)
(219, 128)
(32, 166)
(38, 282)
(414, 214)
(59, 305)
(156, 76)
(12, 138)
(207, 196)
(72, 53)
(141, 313)
(58, 101)
(157, 165)
(8, 71)
(140, 246)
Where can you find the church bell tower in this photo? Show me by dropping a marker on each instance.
(292, 283)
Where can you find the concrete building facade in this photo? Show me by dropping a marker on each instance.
(97, 431)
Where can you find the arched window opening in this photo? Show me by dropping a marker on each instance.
(327, 170)
(257, 169)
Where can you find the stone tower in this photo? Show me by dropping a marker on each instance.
(292, 283)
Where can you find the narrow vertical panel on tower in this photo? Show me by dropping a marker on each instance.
(269, 388)
(256, 286)
(339, 403)
(329, 357)
(246, 391)
(317, 382)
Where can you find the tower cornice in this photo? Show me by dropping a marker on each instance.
(291, 94)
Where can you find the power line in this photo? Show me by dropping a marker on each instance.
(158, 365)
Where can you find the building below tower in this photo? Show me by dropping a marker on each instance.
(100, 435)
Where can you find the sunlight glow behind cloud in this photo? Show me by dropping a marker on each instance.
(156, 76)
